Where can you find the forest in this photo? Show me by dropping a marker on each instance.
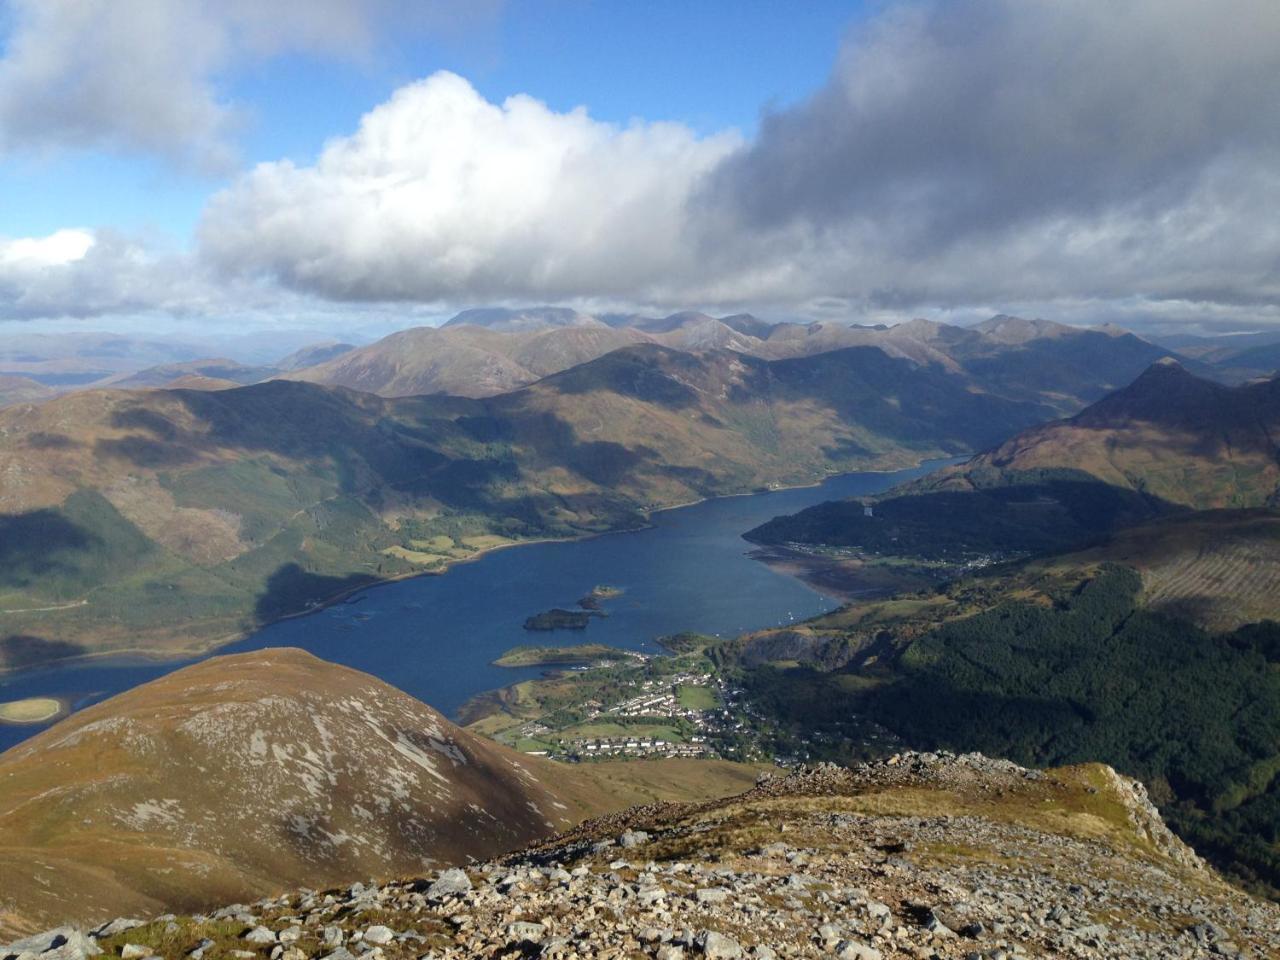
(1094, 677)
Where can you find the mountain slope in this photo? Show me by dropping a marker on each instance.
(15, 389)
(244, 774)
(1167, 443)
(423, 360)
(313, 355)
(171, 519)
(921, 855)
(1169, 434)
(253, 772)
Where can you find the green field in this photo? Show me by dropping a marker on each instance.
(697, 698)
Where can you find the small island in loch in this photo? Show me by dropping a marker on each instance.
(558, 619)
(599, 593)
(32, 710)
(529, 656)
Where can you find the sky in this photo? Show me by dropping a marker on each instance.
(354, 166)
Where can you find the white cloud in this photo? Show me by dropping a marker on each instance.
(57, 249)
(143, 74)
(441, 194)
(80, 273)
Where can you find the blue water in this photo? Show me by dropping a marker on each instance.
(436, 636)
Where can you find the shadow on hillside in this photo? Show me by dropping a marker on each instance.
(292, 589)
(1053, 514)
(634, 373)
(22, 650)
(41, 440)
(36, 544)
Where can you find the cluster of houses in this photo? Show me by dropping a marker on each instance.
(656, 700)
(588, 748)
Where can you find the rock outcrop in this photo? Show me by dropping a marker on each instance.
(918, 856)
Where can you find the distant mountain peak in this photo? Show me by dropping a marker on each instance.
(1012, 330)
(506, 319)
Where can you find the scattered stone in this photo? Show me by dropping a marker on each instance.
(825, 893)
(450, 883)
(378, 935)
(524, 932)
(852, 950)
(716, 946)
(60, 943)
(633, 838)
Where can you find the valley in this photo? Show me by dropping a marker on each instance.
(1040, 612)
(168, 521)
(630, 481)
(688, 569)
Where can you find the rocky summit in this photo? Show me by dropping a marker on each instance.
(918, 856)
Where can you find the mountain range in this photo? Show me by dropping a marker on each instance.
(483, 352)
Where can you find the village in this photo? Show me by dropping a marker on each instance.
(683, 714)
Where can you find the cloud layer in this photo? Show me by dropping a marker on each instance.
(998, 149)
(1086, 159)
(967, 151)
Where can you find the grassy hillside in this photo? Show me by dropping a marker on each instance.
(170, 519)
(239, 776)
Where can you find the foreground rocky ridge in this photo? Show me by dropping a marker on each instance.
(921, 855)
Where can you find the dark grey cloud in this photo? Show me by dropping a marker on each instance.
(960, 116)
(964, 148)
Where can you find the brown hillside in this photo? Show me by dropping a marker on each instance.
(244, 775)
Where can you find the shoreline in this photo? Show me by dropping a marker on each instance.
(204, 651)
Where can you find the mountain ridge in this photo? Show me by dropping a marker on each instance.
(921, 854)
